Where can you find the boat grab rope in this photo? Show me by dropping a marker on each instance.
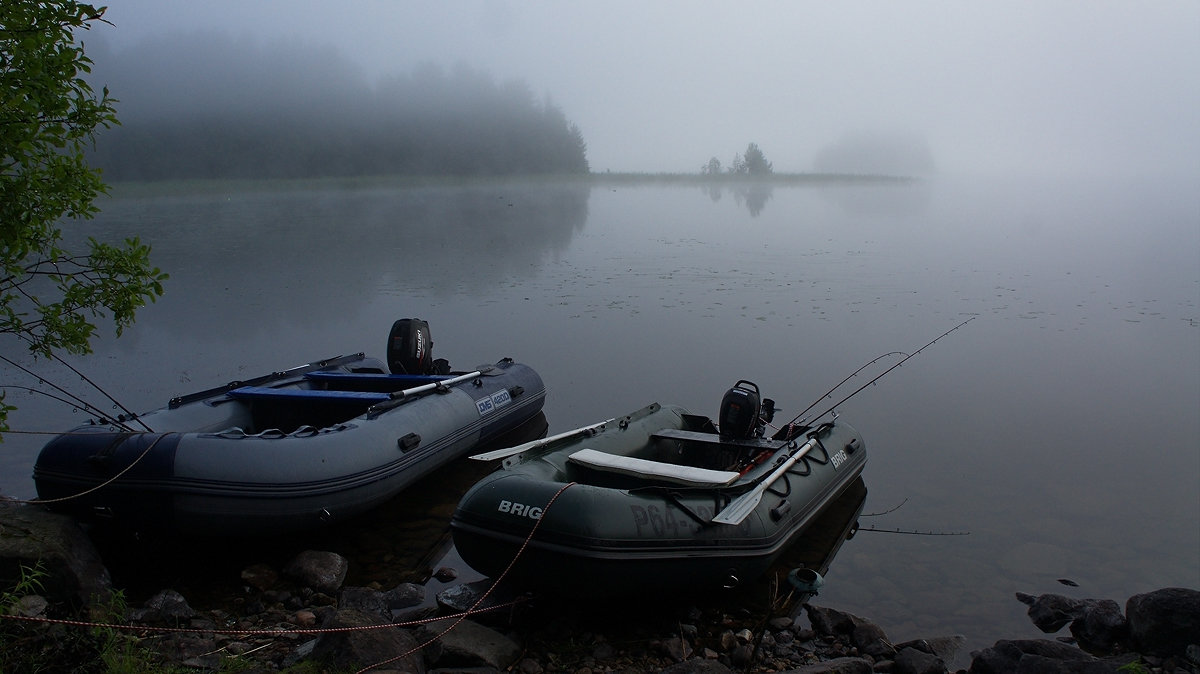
(475, 609)
(114, 478)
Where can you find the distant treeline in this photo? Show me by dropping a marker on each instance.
(211, 106)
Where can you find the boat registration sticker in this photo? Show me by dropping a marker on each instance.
(489, 404)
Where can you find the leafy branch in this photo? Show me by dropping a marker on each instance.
(51, 297)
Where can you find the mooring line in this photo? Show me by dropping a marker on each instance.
(499, 579)
(114, 478)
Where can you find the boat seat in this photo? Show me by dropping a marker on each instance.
(301, 394)
(657, 470)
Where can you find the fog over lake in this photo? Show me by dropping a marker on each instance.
(1058, 428)
(1047, 88)
(1034, 166)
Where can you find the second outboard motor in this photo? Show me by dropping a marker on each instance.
(410, 347)
(740, 410)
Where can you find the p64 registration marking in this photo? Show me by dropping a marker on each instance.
(489, 404)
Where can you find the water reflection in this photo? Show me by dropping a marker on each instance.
(813, 551)
(294, 257)
(884, 197)
(753, 195)
(853, 195)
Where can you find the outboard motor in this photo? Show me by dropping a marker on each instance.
(410, 347)
(740, 411)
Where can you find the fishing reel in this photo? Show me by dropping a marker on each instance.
(744, 412)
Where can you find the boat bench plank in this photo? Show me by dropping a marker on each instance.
(713, 439)
(296, 394)
(643, 468)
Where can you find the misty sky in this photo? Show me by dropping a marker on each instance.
(1046, 87)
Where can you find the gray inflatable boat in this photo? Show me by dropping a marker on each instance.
(658, 500)
(290, 450)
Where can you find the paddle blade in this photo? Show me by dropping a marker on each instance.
(534, 444)
(740, 508)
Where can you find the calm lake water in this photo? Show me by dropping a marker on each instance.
(1060, 428)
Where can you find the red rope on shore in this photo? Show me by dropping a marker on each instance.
(280, 632)
(463, 616)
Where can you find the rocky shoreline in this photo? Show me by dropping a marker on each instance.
(302, 615)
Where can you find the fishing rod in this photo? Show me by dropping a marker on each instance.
(78, 401)
(37, 391)
(874, 379)
(128, 412)
(70, 398)
(914, 532)
(839, 384)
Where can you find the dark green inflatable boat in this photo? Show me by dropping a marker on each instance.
(658, 500)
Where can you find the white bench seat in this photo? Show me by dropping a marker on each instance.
(656, 470)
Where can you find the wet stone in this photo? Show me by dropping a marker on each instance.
(913, 661)
(31, 606)
(1164, 622)
(166, 607)
(322, 571)
(677, 648)
(781, 623)
(404, 595)
(261, 577)
(364, 599)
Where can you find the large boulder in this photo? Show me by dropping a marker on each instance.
(168, 607)
(832, 622)
(1042, 656)
(836, 666)
(1164, 622)
(366, 600)
(1102, 629)
(469, 644)
(871, 640)
(357, 641)
(1052, 612)
(914, 661)
(74, 572)
(322, 571)
(1097, 625)
(1006, 655)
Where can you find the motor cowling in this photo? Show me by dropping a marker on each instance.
(410, 347)
(740, 411)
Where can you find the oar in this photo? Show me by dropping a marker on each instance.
(741, 507)
(429, 387)
(513, 451)
(398, 397)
